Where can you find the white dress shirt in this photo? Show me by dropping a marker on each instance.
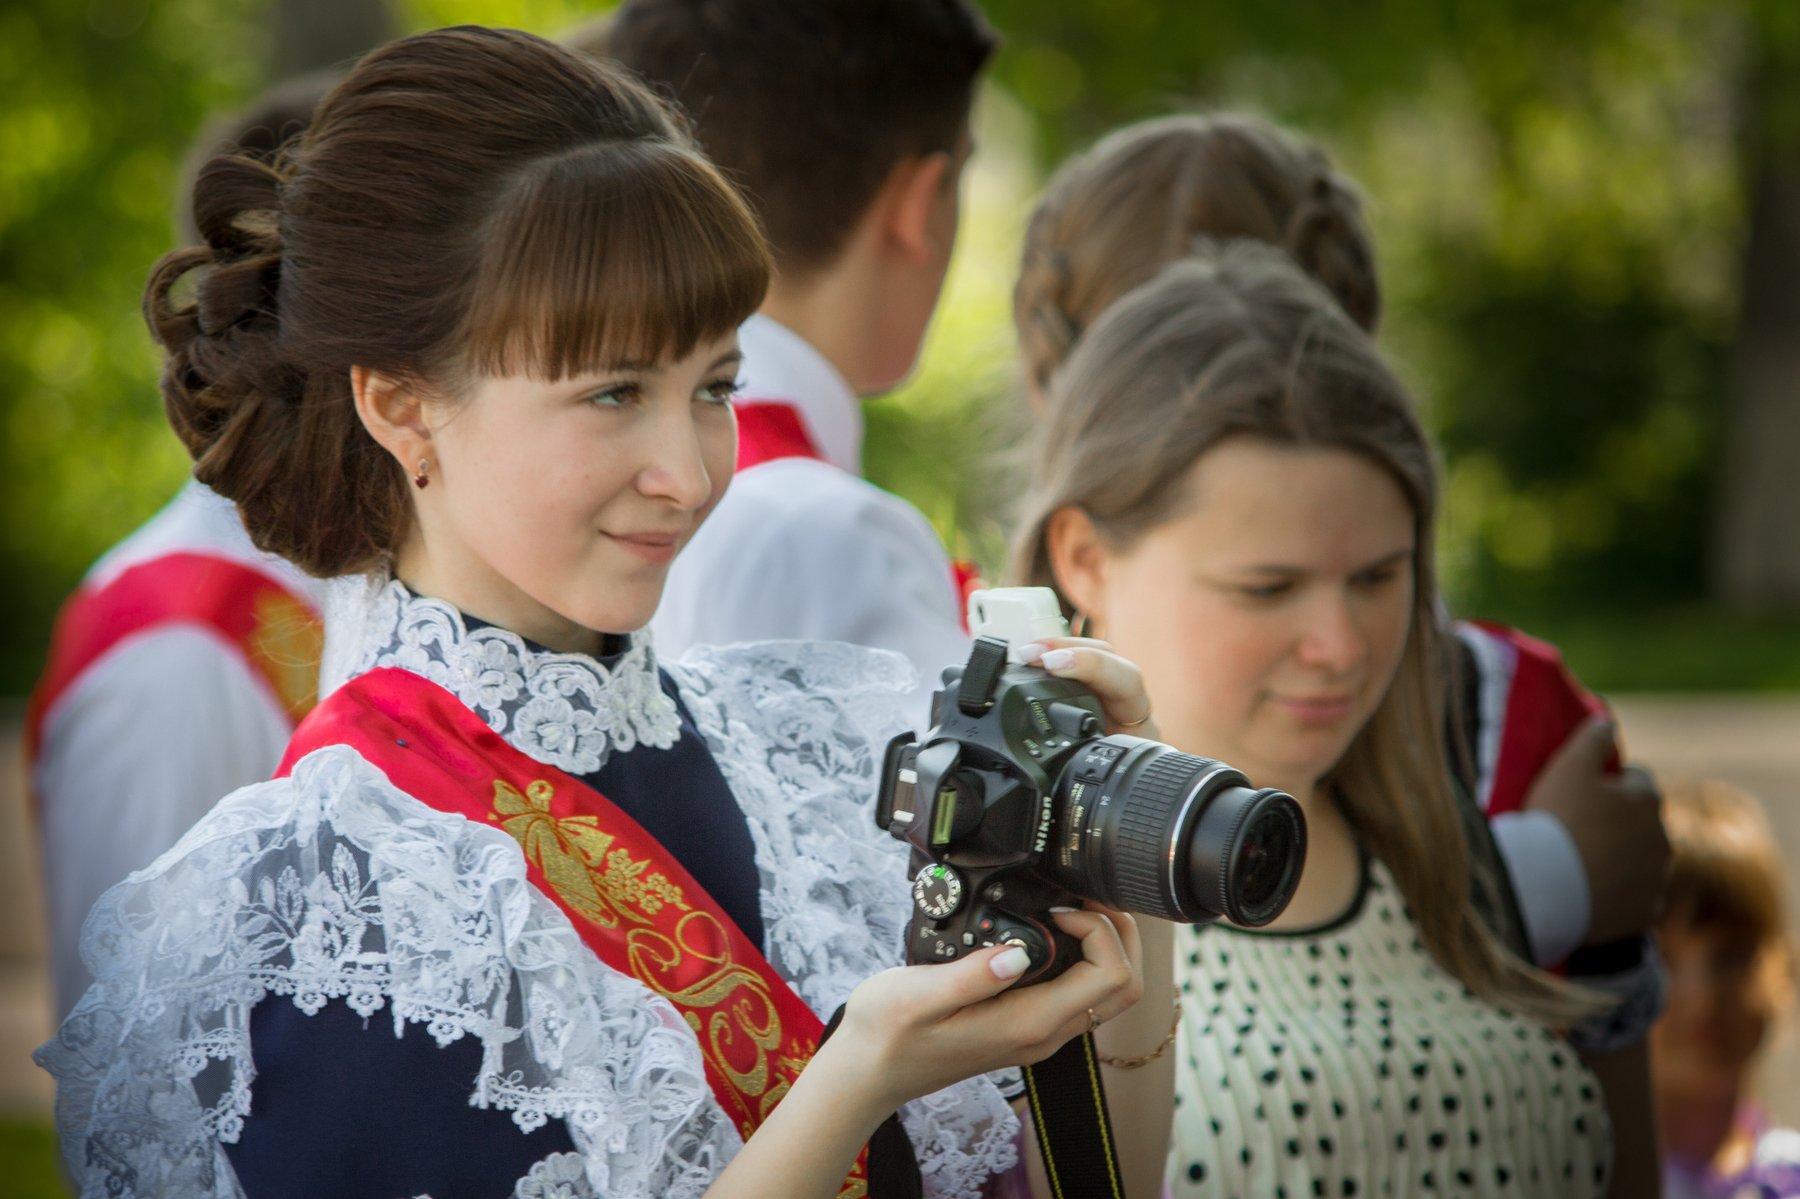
(144, 741)
(804, 548)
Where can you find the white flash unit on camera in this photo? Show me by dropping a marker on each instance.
(1016, 615)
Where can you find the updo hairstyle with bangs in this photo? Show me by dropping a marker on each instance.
(466, 202)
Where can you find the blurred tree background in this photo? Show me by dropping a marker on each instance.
(1587, 216)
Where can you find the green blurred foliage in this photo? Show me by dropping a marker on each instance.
(33, 1169)
(91, 142)
(1556, 189)
(92, 147)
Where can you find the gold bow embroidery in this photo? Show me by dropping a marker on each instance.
(578, 860)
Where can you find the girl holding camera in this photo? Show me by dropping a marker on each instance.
(1229, 483)
(526, 912)
(1580, 839)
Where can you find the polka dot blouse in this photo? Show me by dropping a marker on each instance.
(1343, 1061)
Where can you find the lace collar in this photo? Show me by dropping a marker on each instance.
(569, 711)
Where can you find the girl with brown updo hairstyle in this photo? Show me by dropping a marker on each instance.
(525, 911)
(1230, 485)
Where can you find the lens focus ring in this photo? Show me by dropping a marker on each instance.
(1140, 851)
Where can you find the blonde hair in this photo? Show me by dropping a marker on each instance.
(1111, 218)
(1725, 872)
(1238, 343)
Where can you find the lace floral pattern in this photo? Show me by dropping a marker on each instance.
(559, 1176)
(797, 729)
(566, 710)
(332, 883)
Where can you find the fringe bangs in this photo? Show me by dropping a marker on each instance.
(612, 255)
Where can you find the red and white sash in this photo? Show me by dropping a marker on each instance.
(1536, 703)
(278, 634)
(627, 897)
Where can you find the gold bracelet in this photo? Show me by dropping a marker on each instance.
(1144, 1059)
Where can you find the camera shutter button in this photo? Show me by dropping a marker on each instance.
(1027, 938)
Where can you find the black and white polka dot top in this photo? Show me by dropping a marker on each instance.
(1344, 1061)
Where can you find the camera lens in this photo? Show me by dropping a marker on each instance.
(1149, 829)
(1263, 863)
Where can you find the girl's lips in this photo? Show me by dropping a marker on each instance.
(651, 547)
(1315, 709)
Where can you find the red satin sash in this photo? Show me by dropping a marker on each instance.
(277, 633)
(770, 430)
(630, 900)
(1544, 705)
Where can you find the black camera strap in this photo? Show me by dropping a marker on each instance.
(893, 1166)
(1074, 1133)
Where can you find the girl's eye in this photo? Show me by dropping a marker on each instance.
(1266, 591)
(616, 396)
(720, 391)
(1378, 576)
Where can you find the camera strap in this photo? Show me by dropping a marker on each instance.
(1074, 1133)
(893, 1166)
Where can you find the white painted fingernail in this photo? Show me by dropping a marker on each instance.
(1065, 909)
(1011, 964)
(1058, 659)
(1028, 653)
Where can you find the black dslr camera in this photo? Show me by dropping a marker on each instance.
(1016, 801)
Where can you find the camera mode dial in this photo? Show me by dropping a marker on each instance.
(938, 891)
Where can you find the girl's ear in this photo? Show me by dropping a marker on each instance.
(394, 414)
(1079, 559)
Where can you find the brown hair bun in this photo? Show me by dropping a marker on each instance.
(465, 200)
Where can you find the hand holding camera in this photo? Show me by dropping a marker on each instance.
(1018, 801)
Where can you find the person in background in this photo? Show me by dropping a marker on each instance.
(1730, 954)
(1229, 483)
(847, 126)
(1582, 844)
(179, 667)
(524, 910)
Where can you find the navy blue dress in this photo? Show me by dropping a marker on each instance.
(342, 1107)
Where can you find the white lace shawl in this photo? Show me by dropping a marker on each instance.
(334, 883)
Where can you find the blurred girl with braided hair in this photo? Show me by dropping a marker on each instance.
(1228, 482)
(1567, 865)
(1581, 843)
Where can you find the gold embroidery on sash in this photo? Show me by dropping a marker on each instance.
(287, 643)
(603, 883)
(742, 1030)
(598, 881)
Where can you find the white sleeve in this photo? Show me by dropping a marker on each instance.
(333, 883)
(138, 750)
(803, 551)
(1548, 880)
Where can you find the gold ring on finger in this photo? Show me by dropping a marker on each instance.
(1132, 724)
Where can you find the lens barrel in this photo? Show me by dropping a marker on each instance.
(1149, 829)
